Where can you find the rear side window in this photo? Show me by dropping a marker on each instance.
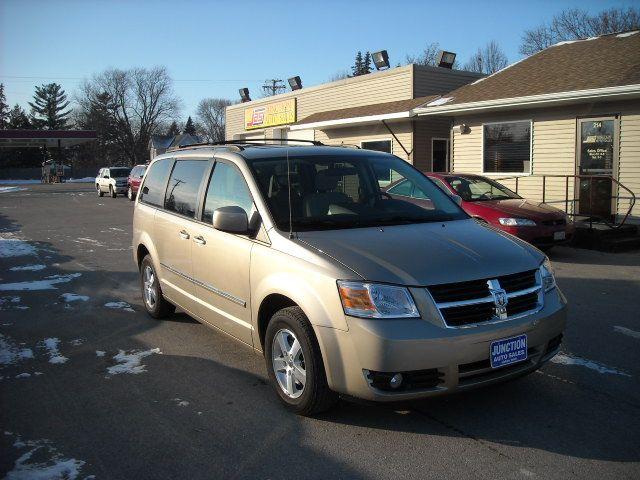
(183, 186)
(226, 188)
(154, 185)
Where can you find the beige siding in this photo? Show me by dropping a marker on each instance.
(436, 80)
(554, 149)
(425, 130)
(355, 135)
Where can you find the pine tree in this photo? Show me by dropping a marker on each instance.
(366, 64)
(98, 114)
(18, 119)
(48, 107)
(4, 108)
(173, 130)
(356, 69)
(189, 127)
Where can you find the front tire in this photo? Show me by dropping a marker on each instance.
(154, 301)
(112, 192)
(100, 192)
(295, 365)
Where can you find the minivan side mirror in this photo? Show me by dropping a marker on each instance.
(232, 219)
(457, 199)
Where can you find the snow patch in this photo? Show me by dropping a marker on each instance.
(439, 101)
(50, 465)
(76, 342)
(10, 353)
(23, 375)
(627, 331)
(28, 268)
(10, 246)
(73, 297)
(180, 402)
(81, 180)
(51, 345)
(131, 362)
(100, 353)
(119, 306)
(627, 34)
(10, 189)
(564, 359)
(19, 182)
(46, 283)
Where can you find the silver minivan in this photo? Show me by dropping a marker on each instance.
(298, 253)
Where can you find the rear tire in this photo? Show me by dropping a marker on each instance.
(100, 192)
(290, 330)
(154, 302)
(112, 192)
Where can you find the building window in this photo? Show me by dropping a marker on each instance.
(384, 176)
(507, 147)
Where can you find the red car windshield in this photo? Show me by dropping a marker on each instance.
(478, 189)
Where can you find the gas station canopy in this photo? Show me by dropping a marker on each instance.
(45, 138)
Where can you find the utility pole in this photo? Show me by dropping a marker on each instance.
(273, 86)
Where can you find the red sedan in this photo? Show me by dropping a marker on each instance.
(134, 180)
(493, 203)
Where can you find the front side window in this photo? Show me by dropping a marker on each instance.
(344, 191)
(507, 147)
(183, 186)
(477, 189)
(152, 191)
(226, 188)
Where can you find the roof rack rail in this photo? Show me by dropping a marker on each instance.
(256, 141)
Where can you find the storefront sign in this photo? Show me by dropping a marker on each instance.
(270, 115)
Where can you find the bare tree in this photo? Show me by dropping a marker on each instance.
(574, 24)
(211, 117)
(487, 60)
(142, 99)
(429, 55)
(340, 75)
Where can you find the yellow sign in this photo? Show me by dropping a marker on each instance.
(270, 115)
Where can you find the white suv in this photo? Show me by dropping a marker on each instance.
(112, 180)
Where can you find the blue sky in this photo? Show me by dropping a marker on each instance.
(213, 48)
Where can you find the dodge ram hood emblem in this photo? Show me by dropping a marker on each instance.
(500, 298)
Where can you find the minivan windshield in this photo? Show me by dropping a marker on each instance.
(331, 192)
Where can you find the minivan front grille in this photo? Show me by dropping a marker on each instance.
(466, 304)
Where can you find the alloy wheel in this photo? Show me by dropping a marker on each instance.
(288, 363)
(150, 288)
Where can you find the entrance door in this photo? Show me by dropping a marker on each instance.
(439, 154)
(597, 152)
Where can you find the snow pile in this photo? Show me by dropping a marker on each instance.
(46, 283)
(439, 101)
(10, 353)
(14, 247)
(51, 345)
(627, 331)
(73, 297)
(81, 180)
(28, 268)
(23, 375)
(119, 306)
(49, 466)
(131, 362)
(627, 34)
(10, 189)
(19, 182)
(564, 359)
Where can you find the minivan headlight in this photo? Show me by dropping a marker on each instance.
(375, 300)
(517, 222)
(546, 273)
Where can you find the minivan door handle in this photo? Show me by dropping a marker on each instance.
(199, 239)
(184, 234)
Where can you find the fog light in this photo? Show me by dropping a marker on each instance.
(396, 381)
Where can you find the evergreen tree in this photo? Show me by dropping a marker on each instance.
(97, 114)
(356, 69)
(366, 64)
(4, 108)
(48, 107)
(173, 130)
(189, 127)
(18, 119)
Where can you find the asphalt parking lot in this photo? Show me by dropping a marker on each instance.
(92, 386)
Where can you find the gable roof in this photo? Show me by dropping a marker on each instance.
(363, 114)
(566, 71)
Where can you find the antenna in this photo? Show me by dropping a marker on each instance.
(289, 185)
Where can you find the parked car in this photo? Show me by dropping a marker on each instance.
(491, 202)
(134, 180)
(297, 253)
(112, 180)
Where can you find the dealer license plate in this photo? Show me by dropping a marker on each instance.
(559, 235)
(508, 350)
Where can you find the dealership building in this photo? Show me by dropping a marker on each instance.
(561, 126)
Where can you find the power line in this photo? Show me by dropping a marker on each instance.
(273, 86)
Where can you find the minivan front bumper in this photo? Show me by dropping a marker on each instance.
(455, 359)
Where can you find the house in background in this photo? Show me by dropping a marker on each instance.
(571, 109)
(159, 144)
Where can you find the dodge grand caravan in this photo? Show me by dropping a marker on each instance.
(298, 253)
